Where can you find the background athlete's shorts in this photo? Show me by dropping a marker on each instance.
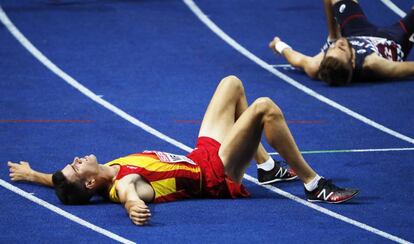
(353, 22)
(216, 184)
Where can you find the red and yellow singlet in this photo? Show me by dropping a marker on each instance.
(171, 176)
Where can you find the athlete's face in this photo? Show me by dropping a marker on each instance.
(81, 168)
(341, 50)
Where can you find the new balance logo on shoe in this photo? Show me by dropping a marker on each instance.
(325, 197)
(281, 172)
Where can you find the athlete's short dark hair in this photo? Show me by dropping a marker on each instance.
(334, 72)
(70, 192)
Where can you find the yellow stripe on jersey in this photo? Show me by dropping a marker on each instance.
(128, 160)
(113, 195)
(148, 163)
(164, 187)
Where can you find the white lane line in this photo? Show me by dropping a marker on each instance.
(353, 150)
(38, 55)
(329, 212)
(63, 213)
(213, 27)
(282, 66)
(52, 67)
(394, 8)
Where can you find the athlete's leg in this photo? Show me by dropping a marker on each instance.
(241, 142)
(227, 104)
(406, 32)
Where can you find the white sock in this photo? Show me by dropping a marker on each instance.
(311, 185)
(268, 165)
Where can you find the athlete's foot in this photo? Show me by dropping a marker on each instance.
(278, 173)
(328, 192)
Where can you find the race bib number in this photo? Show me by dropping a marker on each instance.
(171, 158)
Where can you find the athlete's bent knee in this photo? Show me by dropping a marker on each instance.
(233, 84)
(232, 80)
(266, 108)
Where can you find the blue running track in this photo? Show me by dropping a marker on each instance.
(157, 62)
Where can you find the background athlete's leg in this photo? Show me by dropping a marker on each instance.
(227, 104)
(240, 144)
(407, 24)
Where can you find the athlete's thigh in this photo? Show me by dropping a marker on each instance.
(220, 113)
(240, 144)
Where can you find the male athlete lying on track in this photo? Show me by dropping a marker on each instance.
(356, 49)
(229, 138)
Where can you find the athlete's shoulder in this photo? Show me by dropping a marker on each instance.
(372, 60)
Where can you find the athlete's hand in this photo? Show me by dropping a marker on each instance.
(273, 43)
(139, 213)
(20, 171)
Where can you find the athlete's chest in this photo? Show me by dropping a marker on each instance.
(382, 47)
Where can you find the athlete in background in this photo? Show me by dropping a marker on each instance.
(356, 49)
(229, 138)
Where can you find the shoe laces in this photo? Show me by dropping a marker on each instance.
(281, 163)
(330, 186)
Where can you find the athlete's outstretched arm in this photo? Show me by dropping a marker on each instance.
(384, 68)
(23, 172)
(309, 64)
(333, 28)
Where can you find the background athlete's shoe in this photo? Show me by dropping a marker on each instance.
(278, 173)
(328, 192)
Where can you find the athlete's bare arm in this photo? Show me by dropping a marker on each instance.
(333, 28)
(386, 69)
(133, 191)
(309, 64)
(23, 172)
